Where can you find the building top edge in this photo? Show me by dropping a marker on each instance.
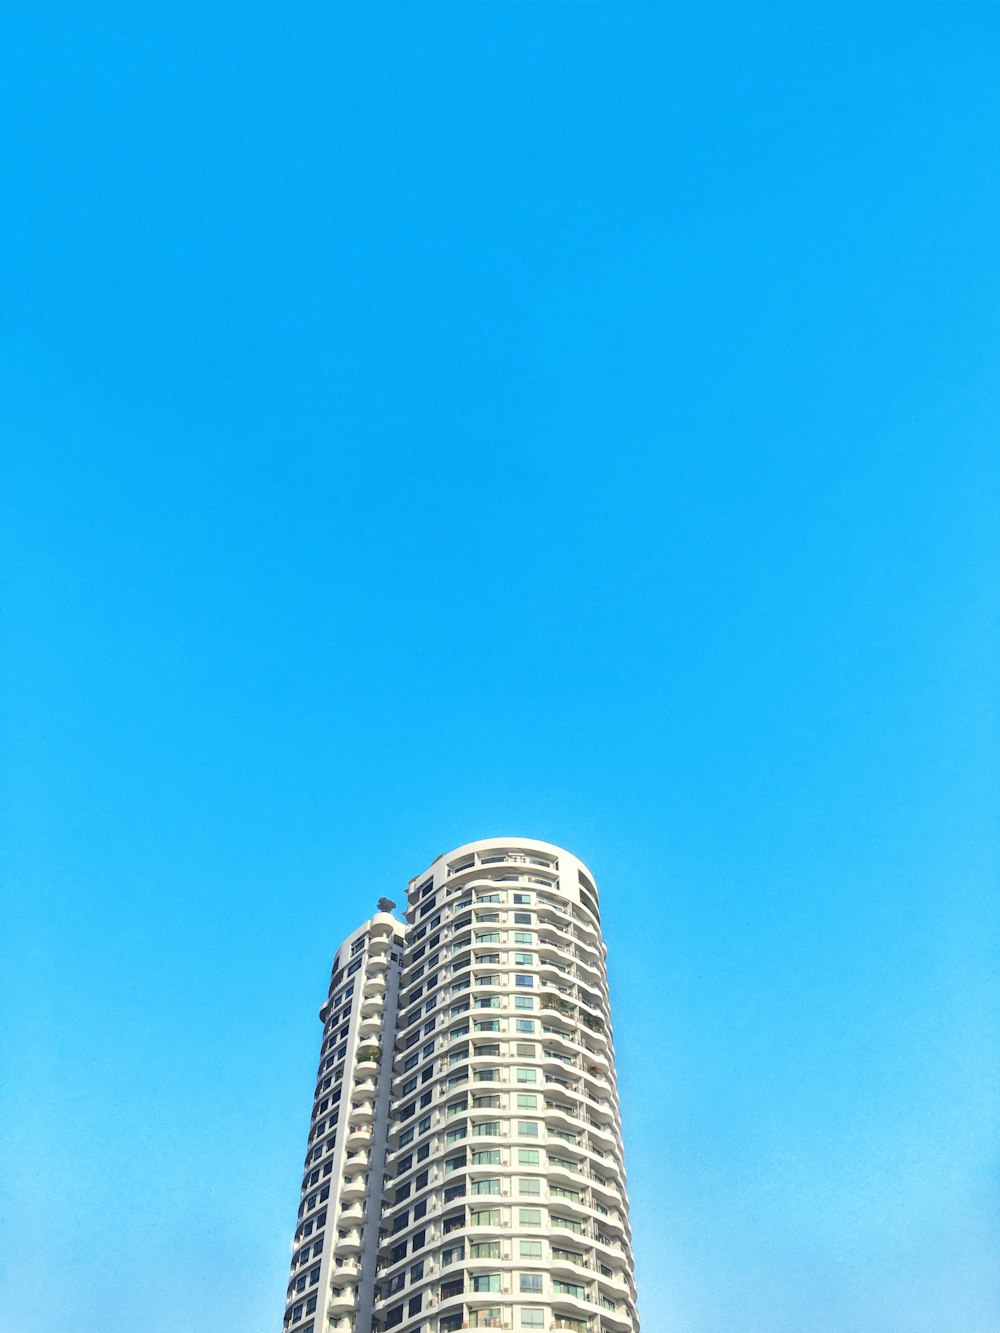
(513, 843)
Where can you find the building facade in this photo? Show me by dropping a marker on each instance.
(465, 1165)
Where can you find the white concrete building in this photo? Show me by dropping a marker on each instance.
(486, 1187)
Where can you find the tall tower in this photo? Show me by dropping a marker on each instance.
(498, 1159)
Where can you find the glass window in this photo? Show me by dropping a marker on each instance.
(523, 1002)
(486, 1282)
(525, 1156)
(532, 1283)
(527, 1075)
(522, 899)
(484, 1217)
(523, 937)
(485, 1249)
(529, 1217)
(525, 1025)
(527, 1101)
(523, 979)
(531, 1249)
(524, 1048)
(529, 1185)
(489, 1157)
(524, 960)
(486, 1187)
(529, 1319)
(528, 1129)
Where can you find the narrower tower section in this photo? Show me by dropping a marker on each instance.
(334, 1254)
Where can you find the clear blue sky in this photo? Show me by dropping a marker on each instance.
(429, 420)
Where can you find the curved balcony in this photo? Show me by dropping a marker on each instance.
(359, 1135)
(353, 1215)
(345, 1273)
(342, 1302)
(354, 1188)
(374, 985)
(362, 1112)
(357, 1161)
(371, 1004)
(618, 1318)
(348, 1244)
(378, 962)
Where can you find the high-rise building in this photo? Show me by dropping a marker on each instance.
(465, 1167)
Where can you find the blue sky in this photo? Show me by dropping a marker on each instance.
(427, 421)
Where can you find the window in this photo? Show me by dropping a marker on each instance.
(529, 1319)
(523, 937)
(558, 1192)
(525, 1156)
(531, 1249)
(414, 1304)
(487, 1127)
(453, 1135)
(569, 1289)
(488, 1318)
(524, 960)
(529, 1185)
(523, 1002)
(570, 1256)
(489, 1157)
(523, 918)
(527, 1075)
(527, 1101)
(523, 979)
(484, 1217)
(453, 1255)
(525, 1025)
(532, 1283)
(525, 1048)
(567, 1224)
(528, 1129)
(417, 1271)
(486, 1282)
(522, 898)
(529, 1217)
(486, 1186)
(485, 1249)
(450, 1322)
(488, 937)
(452, 1288)
(486, 1025)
